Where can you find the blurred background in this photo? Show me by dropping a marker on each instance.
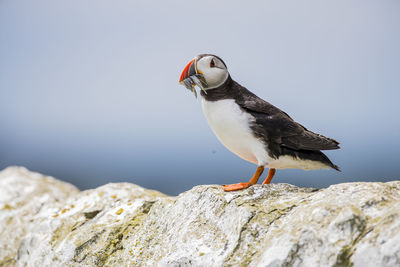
(89, 89)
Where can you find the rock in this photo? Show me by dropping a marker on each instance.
(45, 222)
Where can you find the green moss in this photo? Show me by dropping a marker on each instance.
(113, 243)
(78, 250)
(293, 255)
(7, 207)
(343, 258)
(8, 261)
(359, 225)
(91, 214)
(58, 234)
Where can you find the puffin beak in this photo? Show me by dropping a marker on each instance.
(190, 77)
(188, 71)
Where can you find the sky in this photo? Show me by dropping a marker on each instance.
(89, 89)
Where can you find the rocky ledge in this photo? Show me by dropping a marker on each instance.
(46, 222)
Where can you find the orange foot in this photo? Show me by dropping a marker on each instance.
(234, 187)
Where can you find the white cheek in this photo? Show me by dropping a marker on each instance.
(215, 77)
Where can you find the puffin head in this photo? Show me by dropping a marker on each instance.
(206, 71)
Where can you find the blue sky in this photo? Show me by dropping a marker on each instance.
(89, 89)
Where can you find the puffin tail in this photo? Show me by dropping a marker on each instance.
(313, 155)
(328, 162)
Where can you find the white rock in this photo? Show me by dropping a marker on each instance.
(45, 222)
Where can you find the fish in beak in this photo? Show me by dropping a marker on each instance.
(191, 77)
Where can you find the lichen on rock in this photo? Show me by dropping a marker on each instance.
(46, 222)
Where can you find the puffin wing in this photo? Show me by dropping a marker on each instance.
(275, 125)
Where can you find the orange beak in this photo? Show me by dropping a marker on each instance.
(188, 71)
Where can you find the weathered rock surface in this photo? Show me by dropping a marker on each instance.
(46, 222)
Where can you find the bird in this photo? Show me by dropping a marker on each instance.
(251, 127)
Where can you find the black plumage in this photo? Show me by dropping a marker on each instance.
(281, 134)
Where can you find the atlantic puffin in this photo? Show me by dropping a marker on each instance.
(250, 127)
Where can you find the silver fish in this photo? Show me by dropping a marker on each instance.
(199, 80)
(190, 85)
(194, 80)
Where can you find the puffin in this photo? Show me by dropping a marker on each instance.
(252, 128)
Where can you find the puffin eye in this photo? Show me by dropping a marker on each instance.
(212, 63)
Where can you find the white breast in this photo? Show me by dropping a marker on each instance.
(231, 126)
